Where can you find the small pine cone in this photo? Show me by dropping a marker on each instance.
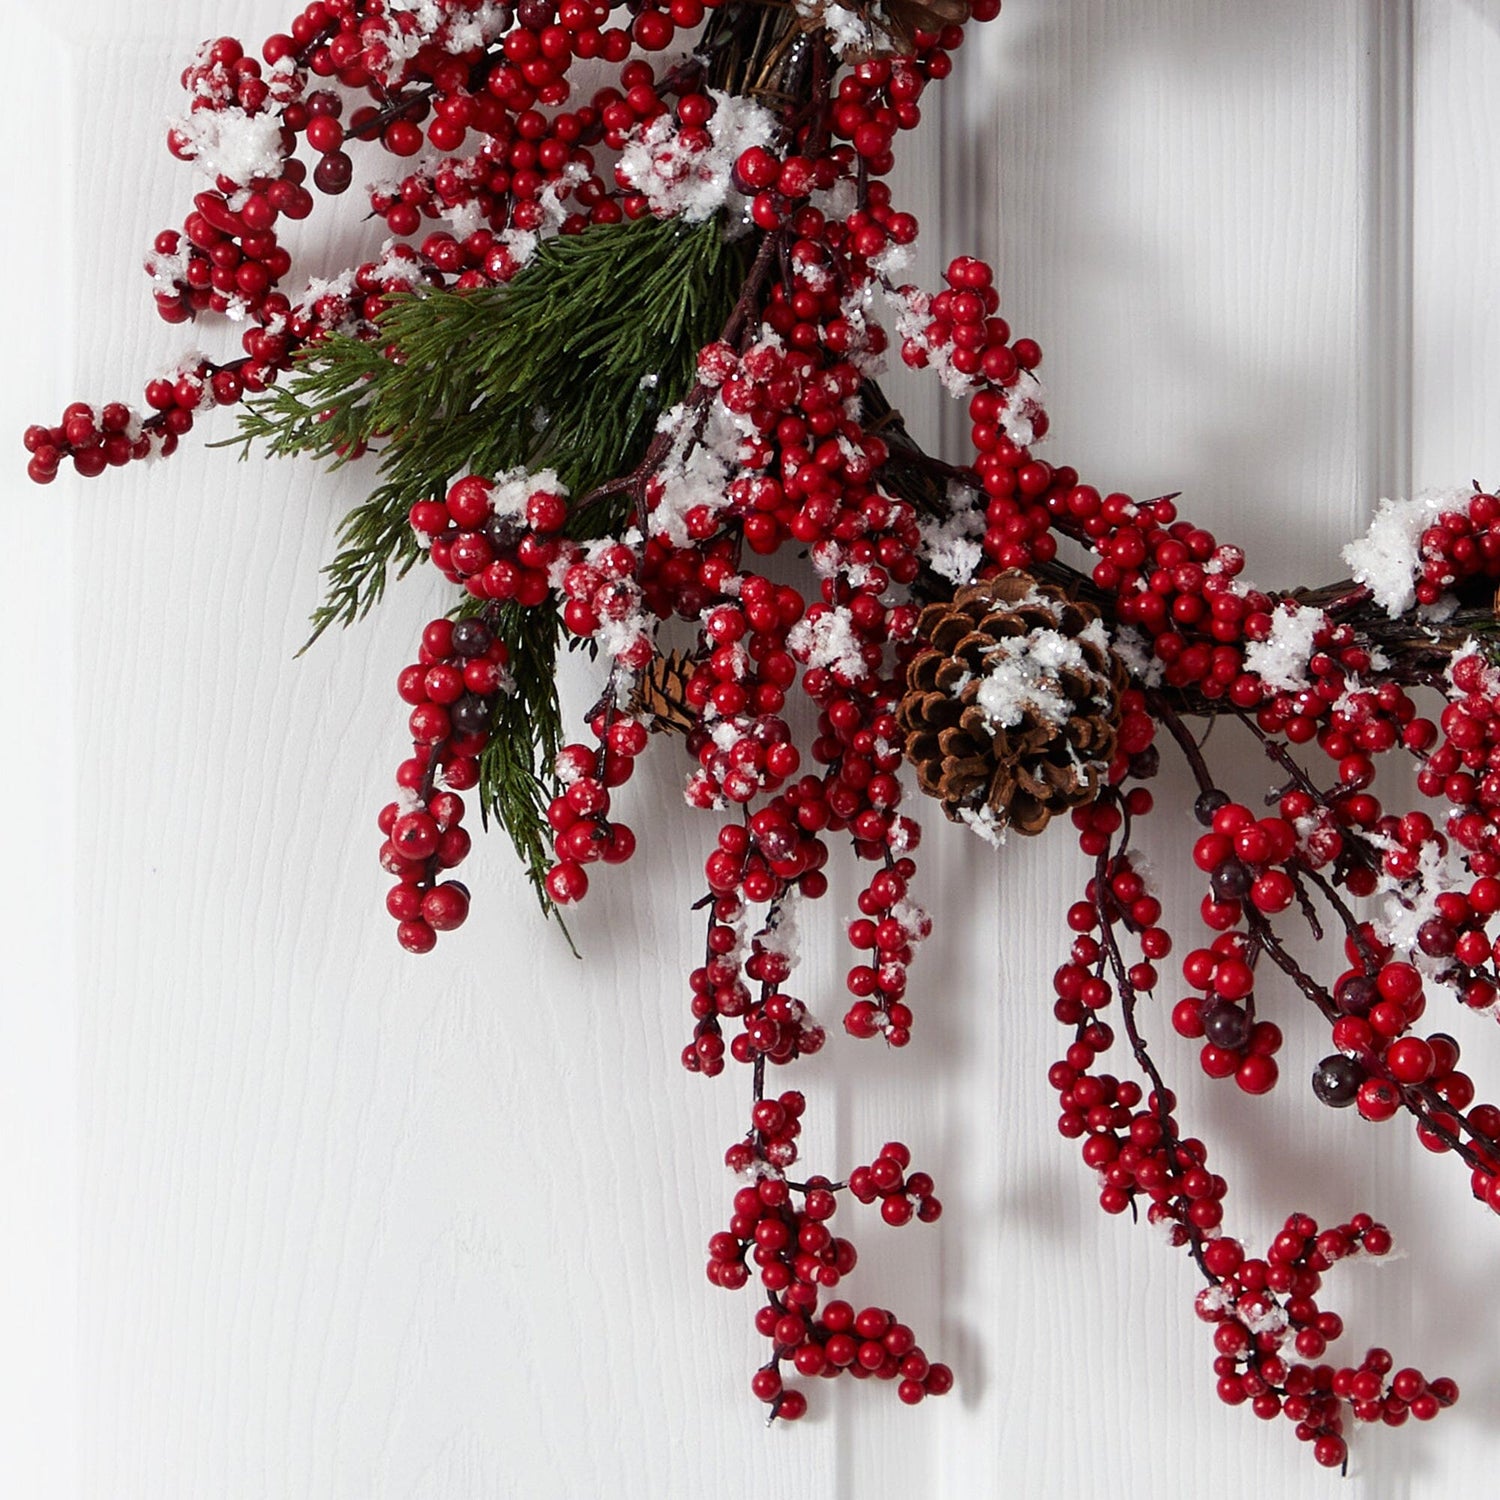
(1011, 708)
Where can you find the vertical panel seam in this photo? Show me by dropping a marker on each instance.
(1386, 240)
(1387, 255)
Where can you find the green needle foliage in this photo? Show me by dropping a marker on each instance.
(568, 366)
(527, 733)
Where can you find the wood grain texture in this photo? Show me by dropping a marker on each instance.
(344, 1224)
(39, 1230)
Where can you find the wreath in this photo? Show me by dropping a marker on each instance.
(624, 348)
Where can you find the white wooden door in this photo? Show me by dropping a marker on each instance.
(293, 1215)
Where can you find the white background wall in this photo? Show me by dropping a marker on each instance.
(289, 1214)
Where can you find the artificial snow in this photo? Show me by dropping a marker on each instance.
(1216, 1299)
(856, 309)
(230, 142)
(829, 642)
(465, 218)
(1410, 903)
(832, 560)
(1388, 558)
(781, 934)
(615, 637)
(1132, 647)
(1269, 1317)
(340, 295)
(891, 261)
(676, 179)
(168, 272)
(704, 454)
(836, 202)
(728, 733)
(952, 548)
(1489, 683)
(397, 266)
(523, 243)
(423, 167)
(848, 31)
(1280, 661)
(1095, 635)
(512, 488)
(481, 25)
(914, 920)
(456, 28)
(912, 308)
(1024, 677)
(982, 820)
(1018, 415)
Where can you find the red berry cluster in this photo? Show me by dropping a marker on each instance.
(1259, 1306)
(584, 833)
(482, 85)
(799, 1258)
(1464, 766)
(802, 468)
(886, 930)
(453, 687)
(1460, 544)
(1128, 1138)
(97, 440)
(498, 552)
(775, 1126)
(1258, 869)
(227, 258)
(775, 1025)
(902, 1195)
(602, 596)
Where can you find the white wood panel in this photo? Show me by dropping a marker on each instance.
(355, 1225)
(38, 1040)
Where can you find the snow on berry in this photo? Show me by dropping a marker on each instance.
(1280, 661)
(678, 173)
(231, 142)
(782, 935)
(982, 821)
(827, 639)
(1387, 559)
(850, 33)
(397, 39)
(689, 488)
(1135, 651)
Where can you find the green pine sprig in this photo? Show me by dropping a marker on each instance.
(525, 736)
(568, 366)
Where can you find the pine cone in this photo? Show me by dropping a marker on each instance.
(1011, 710)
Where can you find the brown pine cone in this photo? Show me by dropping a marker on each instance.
(1011, 709)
